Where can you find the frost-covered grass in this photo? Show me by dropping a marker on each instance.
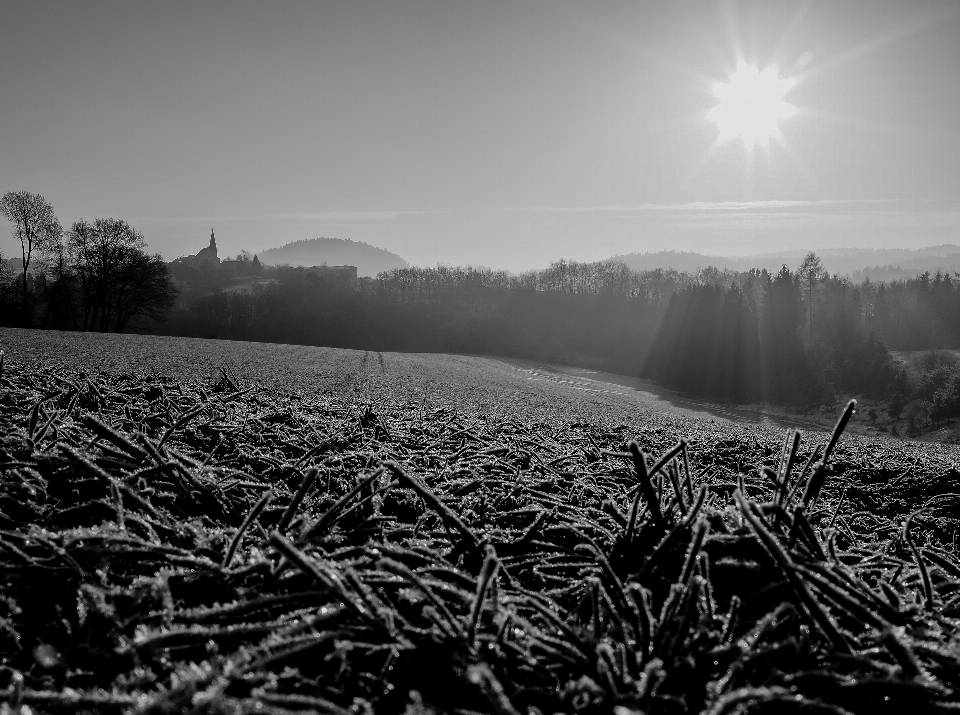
(206, 526)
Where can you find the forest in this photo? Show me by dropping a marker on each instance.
(600, 314)
(800, 337)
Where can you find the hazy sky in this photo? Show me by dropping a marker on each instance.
(508, 134)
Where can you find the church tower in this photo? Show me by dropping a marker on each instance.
(213, 242)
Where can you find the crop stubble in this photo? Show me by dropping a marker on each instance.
(174, 545)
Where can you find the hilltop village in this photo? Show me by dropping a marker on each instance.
(244, 270)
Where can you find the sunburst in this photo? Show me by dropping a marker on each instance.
(751, 105)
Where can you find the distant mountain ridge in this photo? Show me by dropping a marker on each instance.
(857, 263)
(368, 259)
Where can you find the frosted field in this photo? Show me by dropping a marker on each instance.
(217, 527)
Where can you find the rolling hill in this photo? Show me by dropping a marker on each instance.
(368, 259)
(858, 263)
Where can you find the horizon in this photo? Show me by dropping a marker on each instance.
(502, 135)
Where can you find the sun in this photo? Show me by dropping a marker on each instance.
(751, 105)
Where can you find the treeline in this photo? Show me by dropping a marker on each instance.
(96, 277)
(598, 314)
(798, 337)
(761, 341)
(921, 313)
(802, 337)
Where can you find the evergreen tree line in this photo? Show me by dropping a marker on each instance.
(801, 338)
(770, 339)
(921, 313)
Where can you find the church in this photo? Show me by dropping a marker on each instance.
(205, 259)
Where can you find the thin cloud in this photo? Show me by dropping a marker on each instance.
(185, 219)
(774, 215)
(345, 215)
(296, 216)
(698, 206)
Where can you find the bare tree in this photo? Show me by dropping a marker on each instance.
(37, 228)
(118, 280)
(812, 274)
(143, 289)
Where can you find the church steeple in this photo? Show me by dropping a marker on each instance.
(213, 242)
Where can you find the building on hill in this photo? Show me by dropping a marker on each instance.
(341, 275)
(207, 257)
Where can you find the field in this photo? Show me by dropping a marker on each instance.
(206, 526)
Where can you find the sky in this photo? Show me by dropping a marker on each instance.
(504, 134)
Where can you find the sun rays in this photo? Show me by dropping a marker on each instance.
(751, 105)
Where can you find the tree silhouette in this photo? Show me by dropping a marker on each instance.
(118, 281)
(142, 289)
(811, 273)
(36, 227)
